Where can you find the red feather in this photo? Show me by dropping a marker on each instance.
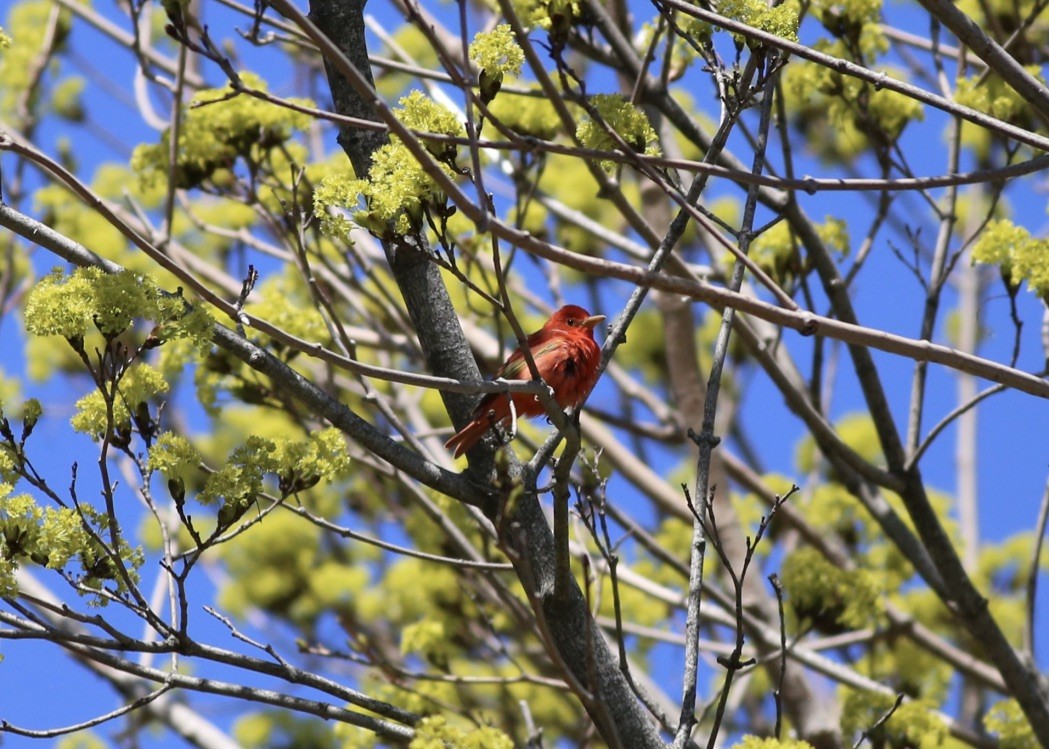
(566, 355)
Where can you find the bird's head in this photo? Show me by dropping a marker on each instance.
(572, 317)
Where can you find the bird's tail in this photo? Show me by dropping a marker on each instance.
(468, 436)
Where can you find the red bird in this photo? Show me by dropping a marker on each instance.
(566, 355)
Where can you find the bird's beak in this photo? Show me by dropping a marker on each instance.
(592, 321)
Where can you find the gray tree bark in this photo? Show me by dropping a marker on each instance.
(525, 533)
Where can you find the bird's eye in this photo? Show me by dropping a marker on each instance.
(572, 321)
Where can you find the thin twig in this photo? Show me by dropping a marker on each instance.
(879, 723)
(1032, 576)
(777, 586)
(50, 733)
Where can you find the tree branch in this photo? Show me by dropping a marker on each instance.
(340, 34)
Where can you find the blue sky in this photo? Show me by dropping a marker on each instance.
(1013, 451)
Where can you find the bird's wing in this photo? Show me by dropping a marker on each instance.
(516, 368)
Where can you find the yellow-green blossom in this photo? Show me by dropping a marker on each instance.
(781, 20)
(398, 189)
(88, 299)
(828, 594)
(174, 456)
(914, 723)
(1006, 720)
(220, 126)
(435, 732)
(497, 51)
(139, 385)
(300, 464)
(624, 118)
(1019, 256)
(426, 637)
(753, 742)
(497, 54)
